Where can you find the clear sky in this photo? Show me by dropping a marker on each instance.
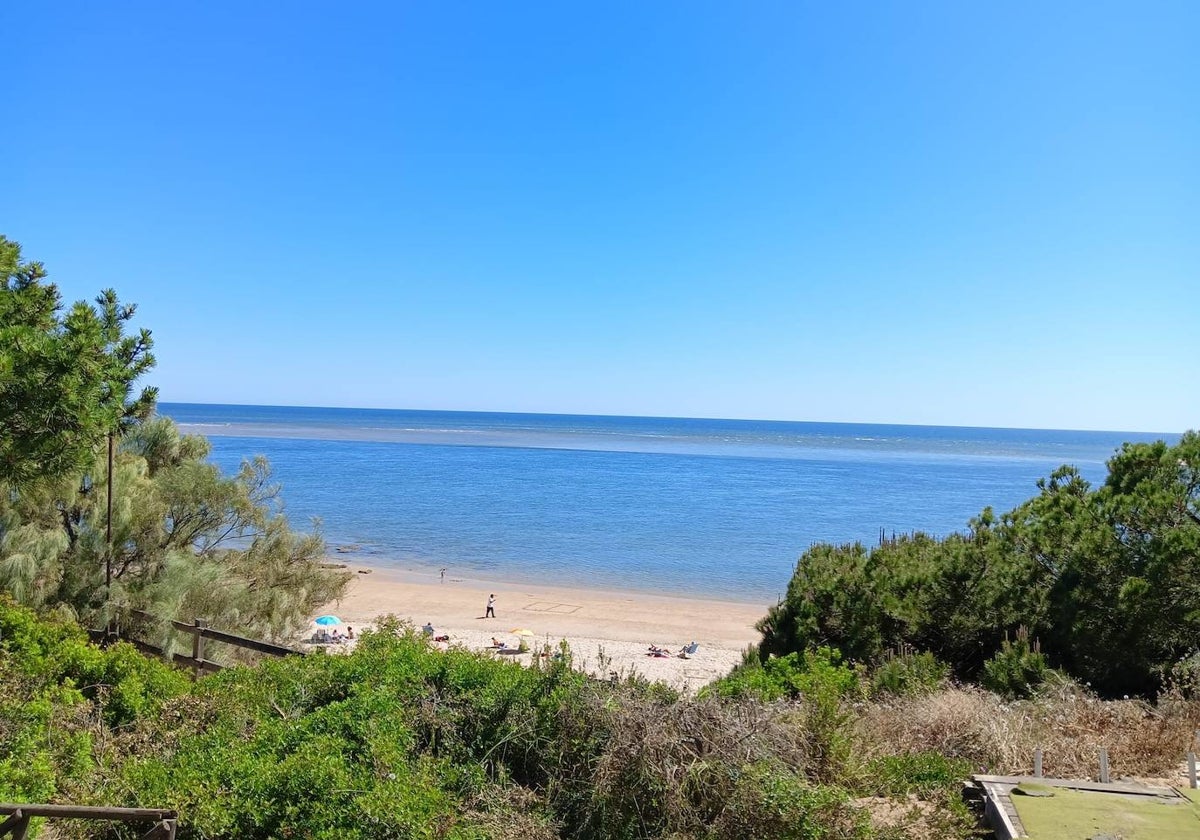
(910, 212)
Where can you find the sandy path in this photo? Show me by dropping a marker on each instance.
(608, 630)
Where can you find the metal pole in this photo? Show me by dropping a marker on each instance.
(108, 524)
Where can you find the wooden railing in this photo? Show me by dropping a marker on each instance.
(200, 631)
(17, 824)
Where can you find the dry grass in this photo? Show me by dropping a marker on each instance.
(1067, 723)
(684, 761)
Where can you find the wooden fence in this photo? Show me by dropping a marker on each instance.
(200, 632)
(17, 824)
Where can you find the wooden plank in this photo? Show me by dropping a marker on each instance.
(145, 647)
(201, 665)
(89, 812)
(238, 641)
(999, 815)
(1080, 784)
(249, 644)
(256, 645)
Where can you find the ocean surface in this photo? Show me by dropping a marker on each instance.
(719, 508)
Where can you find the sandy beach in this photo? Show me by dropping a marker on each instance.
(608, 630)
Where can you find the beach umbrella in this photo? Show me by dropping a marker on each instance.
(522, 631)
(327, 620)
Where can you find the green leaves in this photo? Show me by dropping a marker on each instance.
(66, 381)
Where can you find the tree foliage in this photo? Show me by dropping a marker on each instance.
(1107, 579)
(66, 379)
(187, 541)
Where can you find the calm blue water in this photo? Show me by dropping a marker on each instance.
(711, 507)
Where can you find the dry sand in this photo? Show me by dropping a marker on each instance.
(608, 630)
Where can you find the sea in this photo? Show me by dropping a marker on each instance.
(697, 507)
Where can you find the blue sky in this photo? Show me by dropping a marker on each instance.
(882, 212)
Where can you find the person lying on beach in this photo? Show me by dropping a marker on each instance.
(655, 650)
(496, 643)
(442, 638)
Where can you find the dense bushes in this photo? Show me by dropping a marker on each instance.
(57, 691)
(1107, 579)
(398, 740)
(431, 744)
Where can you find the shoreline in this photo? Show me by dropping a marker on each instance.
(609, 630)
(413, 569)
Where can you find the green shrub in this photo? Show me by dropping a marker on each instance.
(821, 682)
(56, 655)
(820, 671)
(53, 685)
(774, 803)
(1017, 670)
(924, 774)
(908, 673)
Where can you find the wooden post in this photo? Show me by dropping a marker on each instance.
(1192, 781)
(1037, 762)
(1104, 764)
(16, 825)
(198, 643)
(164, 830)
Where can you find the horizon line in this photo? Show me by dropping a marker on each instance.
(676, 417)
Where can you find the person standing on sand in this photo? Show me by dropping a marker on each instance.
(491, 607)
(443, 575)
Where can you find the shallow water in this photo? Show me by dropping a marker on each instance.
(720, 508)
